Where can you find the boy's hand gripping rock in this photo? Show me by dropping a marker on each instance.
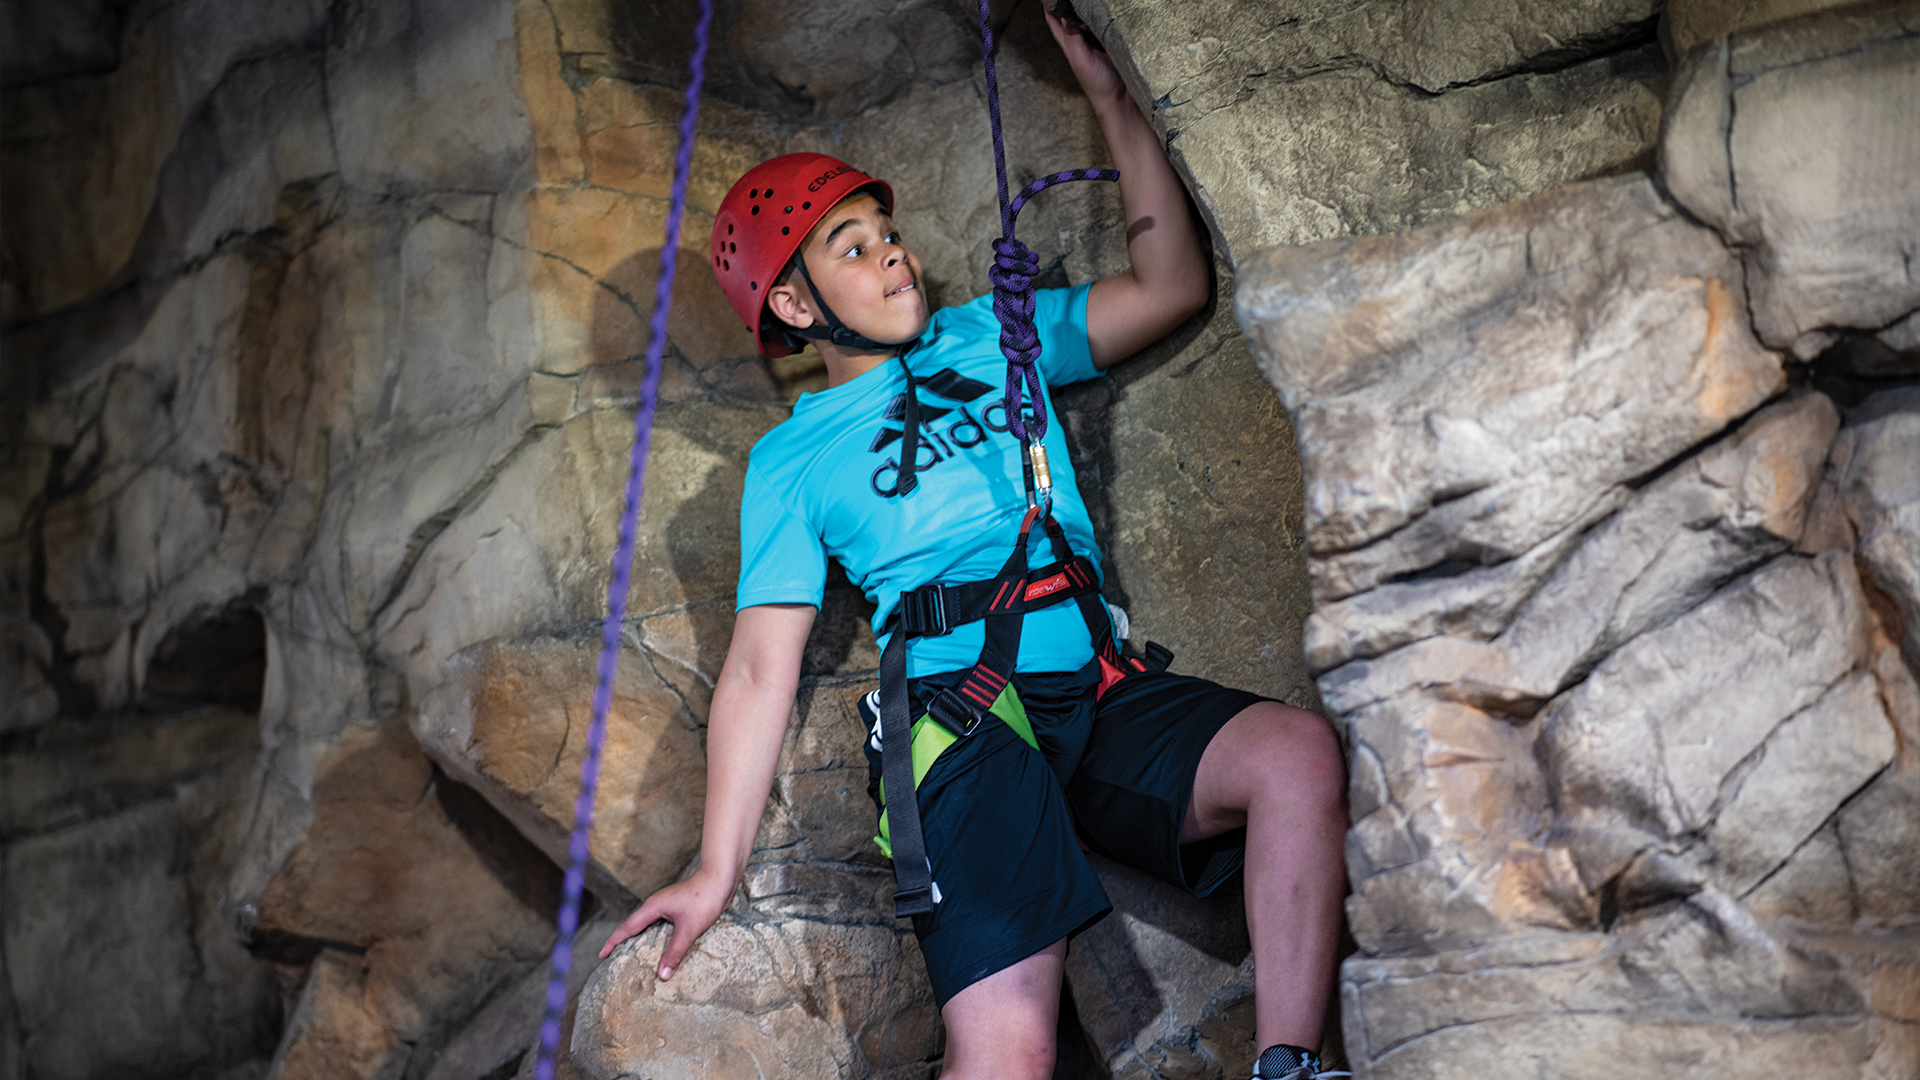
(1099, 79)
(692, 906)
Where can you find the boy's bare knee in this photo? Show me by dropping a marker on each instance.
(1017, 1055)
(1325, 769)
(1003, 1025)
(1305, 759)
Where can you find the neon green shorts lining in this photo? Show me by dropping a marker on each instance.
(931, 738)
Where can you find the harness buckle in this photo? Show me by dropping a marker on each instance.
(951, 712)
(923, 612)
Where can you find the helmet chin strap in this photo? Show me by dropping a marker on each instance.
(841, 334)
(835, 331)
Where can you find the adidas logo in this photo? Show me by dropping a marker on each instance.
(937, 443)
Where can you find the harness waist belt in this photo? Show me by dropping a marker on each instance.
(934, 610)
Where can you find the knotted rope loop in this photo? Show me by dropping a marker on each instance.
(1013, 271)
(1014, 268)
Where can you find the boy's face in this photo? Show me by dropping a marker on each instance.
(863, 271)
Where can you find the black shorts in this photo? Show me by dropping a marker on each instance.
(1001, 820)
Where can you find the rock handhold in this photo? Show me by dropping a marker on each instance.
(511, 721)
(1796, 142)
(763, 997)
(1394, 115)
(1466, 391)
(807, 973)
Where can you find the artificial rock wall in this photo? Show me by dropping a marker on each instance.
(1611, 522)
(323, 328)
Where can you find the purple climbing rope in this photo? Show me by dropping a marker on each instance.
(1015, 267)
(610, 630)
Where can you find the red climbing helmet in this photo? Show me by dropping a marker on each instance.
(763, 221)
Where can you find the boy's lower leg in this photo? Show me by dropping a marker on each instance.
(1004, 1026)
(1278, 771)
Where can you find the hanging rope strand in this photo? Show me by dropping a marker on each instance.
(993, 115)
(611, 629)
(1014, 268)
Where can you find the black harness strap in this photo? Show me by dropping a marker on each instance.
(909, 438)
(912, 873)
(960, 707)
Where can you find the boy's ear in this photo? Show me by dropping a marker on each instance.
(789, 307)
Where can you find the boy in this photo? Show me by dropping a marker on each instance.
(1176, 776)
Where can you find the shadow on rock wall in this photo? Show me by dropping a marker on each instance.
(718, 395)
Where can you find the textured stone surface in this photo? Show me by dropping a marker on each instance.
(1867, 506)
(511, 721)
(115, 953)
(1164, 985)
(1455, 462)
(1557, 609)
(1632, 740)
(1691, 22)
(1393, 115)
(1875, 500)
(1713, 516)
(1572, 1007)
(1793, 142)
(413, 899)
(807, 973)
(1783, 638)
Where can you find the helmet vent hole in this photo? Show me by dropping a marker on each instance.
(806, 206)
(729, 229)
(789, 210)
(756, 209)
(725, 265)
(784, 230)
(754, 194)
(753, 285)
(731, 248)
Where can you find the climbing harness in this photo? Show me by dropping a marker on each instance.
(610, 629)
(954, 713)
(1002, 602)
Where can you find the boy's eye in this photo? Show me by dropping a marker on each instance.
(857, 250)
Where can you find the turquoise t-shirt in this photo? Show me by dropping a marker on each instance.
(822, 484)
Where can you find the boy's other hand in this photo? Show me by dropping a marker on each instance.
(1099, 79)
(692, 906)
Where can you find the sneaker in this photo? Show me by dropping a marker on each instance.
(1283, 1062)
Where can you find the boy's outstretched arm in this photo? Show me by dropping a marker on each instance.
(1169, 279)
(747, 723)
